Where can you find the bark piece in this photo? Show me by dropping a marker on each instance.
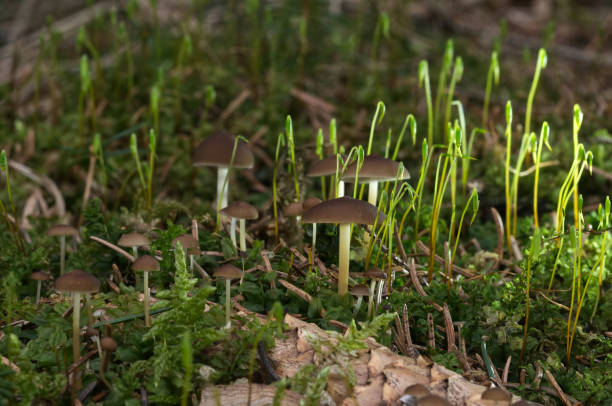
(237, 395)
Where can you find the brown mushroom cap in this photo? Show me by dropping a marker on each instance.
(496, 394)
(108, 344)
(375, 168)
(216, 150)
(90, 332)
(240, 210)
(375, 273)
(228, 271)
(77, 281)
(62, 229)
(293, 209)
(418, 390)
(324, 167)
(145, 263)
(433, 400)
(343, 210)
(187, 242)
(39, 276)
(360, 290)
(133, 240)
(311, 202)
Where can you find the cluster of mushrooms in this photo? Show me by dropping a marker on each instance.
(224, 151)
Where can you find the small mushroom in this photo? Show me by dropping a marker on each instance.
(94, 335)
(39, 276)
(228, 272)
(345, 211)
(77, 282)
(241, 211)
(134, 240)
(216, 150)
(375, 169)
(109, 346)
(190, 245)
(146, 264)
(360, 291)
(61, 231)
(496, 397)
(309, 203)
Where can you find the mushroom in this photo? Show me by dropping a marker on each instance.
(413, 393)
(308, 203)
(61, 231)
(496, 397)
(146, 264)
(190, 245)
(360, 291)
(216, 150)
(109, 345)
(94, 335)
(242, 211)
(134, 240)
(374, 274)
(39, 277)
(345, 211)
(325, 167)
(77, 282)
(375, 169)
(228, 272)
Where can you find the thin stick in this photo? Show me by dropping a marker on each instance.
(113, 247)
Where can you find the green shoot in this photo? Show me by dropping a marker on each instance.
(333, 138)
(492, 78)
(154, 97)
(604, 224)
(280, 141)
(541, 64)
(135, 155)
(319, 151)
(475, 203)
(534, 253)
(576, 241)
(409, 122)
(99, 154)
(537, 159)
(83, 40)
(379, 114)
(524, 148)
(129, 60)
(577, 122)
(455, 77)
(424, 82)
(508, 134)
(185, 52)
(152, 149)
(13, 228)
(441, 181)
(291, 147)
(85, 90)
(444, 71)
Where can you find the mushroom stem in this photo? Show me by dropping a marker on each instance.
(222, 194)
(372, 192)
(314, 237)
(76, 337)
(228, 322)
(357, 306)
(191, 263)
(135, 251)
(371, 298)
(242, 235)
(136, 277)
(38, 292)
(343, 258)
(340, 192)
(233, 232)
(146, 299)
(62, 254)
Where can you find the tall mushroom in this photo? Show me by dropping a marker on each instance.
(360, 291)
(375, 169)
(134, 240)
(216, 150)
(375, 275)
(39, 277)
(77, 282)
(345, 211)
(61, 231)
(228, 272)
(146, 264)
(325, 167)
(190, 245)
(241, 211)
